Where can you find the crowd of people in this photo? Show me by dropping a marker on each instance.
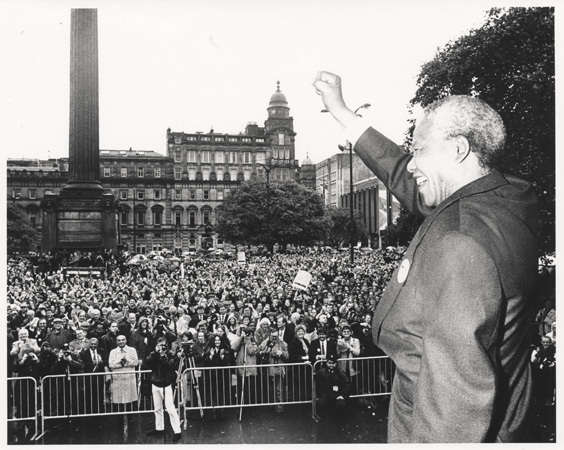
(225, 312)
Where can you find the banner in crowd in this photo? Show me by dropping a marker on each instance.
(302, 280)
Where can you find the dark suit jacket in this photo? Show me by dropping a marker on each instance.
(288, 334)
(86, 357)
(315, 350)
(296, 350)
(454, 316)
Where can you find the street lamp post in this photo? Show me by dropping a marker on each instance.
(348, 146)
(267, 169)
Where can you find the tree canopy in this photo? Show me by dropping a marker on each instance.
(21, 236)
(340, 233)
(509, 63)
(283, 213)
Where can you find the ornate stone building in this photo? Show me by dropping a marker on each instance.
(170, 201)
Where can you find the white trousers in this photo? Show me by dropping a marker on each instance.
(166, 394)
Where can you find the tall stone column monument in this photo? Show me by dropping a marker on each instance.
(81, 216)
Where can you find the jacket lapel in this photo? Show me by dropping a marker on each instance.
(488, 182)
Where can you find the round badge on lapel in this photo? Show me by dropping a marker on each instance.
(403, 271)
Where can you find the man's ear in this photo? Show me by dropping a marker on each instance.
(462, 148)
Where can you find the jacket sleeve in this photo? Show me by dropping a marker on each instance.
(455, 390)
(389, 162)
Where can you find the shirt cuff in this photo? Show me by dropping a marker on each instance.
(355, 129)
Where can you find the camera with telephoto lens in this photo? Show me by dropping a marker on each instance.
(248, 330)
(66, 351)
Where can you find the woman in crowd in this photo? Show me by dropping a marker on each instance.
(298, 376)
(218, 382)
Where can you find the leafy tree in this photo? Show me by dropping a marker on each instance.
(21, 236)
(339, 233)
(508, 63)
(283, 213)
(404, 228)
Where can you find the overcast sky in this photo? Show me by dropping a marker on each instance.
(193, 65)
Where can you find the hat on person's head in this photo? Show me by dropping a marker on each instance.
(345, 326)
(322, 330)
(332, 357)
(200, 306)
(58, 320)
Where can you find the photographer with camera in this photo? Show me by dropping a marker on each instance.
(246, 348)
(163, 364)
(275, 351)
(161, 330)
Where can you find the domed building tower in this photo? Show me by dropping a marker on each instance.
(279, 128)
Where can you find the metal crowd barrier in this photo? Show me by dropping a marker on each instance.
(245, 386)
(94, 394)
(198, 388)
(22, 401)
(277, 384)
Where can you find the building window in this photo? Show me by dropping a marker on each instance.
(140, 217)
(205, 138)
(157, 172)
(123, 195)
(284, 174)
(219, 174)
(140, 172)
(206, 194)
(192, 194)
(178, 173)
(157, 218)
(286, 153)
(206, 173)
(206, 217)
(124, 217)
(32, 194)
(140, 195)
(233, 157)
(232, 139)
(260, 157)
(177, 156)
(124, 172)
(191, 156)
(191, 138)
(280, 138)
(192, 240)
(246, 139)
(206, 156)
(178, 194)
(220, 158)
(260, 140)
(192, 218)
(191, 173)
(157, 194)
(247, 174)
(178, 140)
(220, 195)
(178, 218)
(218, 139)
(106, 172)
(247, 157)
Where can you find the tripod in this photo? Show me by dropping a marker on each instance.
(193, 379)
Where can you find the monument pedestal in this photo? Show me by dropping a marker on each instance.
(79, 219)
